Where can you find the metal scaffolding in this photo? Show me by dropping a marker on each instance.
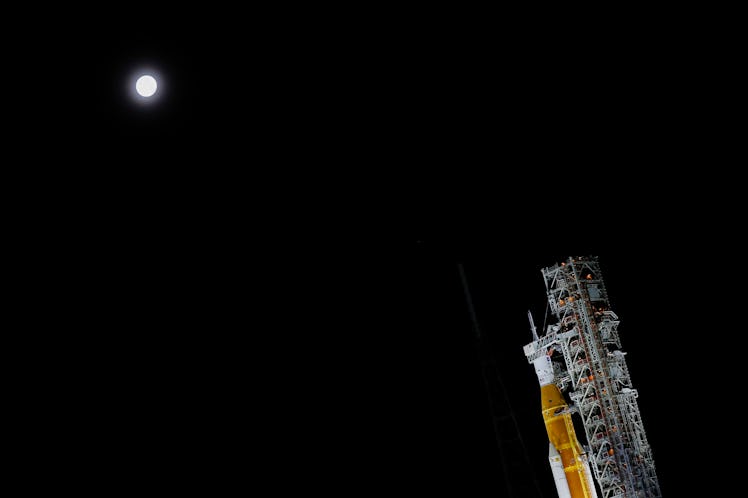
(591, 370)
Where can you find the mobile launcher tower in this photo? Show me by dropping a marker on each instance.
(579, 358)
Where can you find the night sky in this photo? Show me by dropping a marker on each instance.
(262, 266)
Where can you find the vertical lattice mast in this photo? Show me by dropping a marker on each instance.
(586, 350)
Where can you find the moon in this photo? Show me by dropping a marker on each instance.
(146, 85)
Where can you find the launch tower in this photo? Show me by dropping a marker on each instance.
(583, 373)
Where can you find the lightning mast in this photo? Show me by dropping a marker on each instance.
(581, 355)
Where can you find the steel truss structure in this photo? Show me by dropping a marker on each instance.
(590, 366)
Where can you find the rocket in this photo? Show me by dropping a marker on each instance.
(569, 465)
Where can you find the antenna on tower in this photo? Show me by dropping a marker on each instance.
(532, 326)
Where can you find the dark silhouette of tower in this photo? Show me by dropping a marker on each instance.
(519, 478)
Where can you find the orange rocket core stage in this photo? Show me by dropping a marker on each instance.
(562, 436)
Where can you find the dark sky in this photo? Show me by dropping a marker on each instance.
(263, 265)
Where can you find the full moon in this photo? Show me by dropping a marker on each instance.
(146, 85)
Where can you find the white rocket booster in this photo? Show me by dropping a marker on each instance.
(559, 476)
